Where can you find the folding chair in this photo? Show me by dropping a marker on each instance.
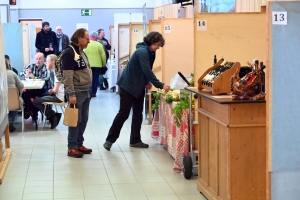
(61, 105)
(14, 103)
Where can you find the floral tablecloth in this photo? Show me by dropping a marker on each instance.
(164, 130)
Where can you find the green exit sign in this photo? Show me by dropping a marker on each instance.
(86, 12)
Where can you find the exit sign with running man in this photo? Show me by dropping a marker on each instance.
(86, 12)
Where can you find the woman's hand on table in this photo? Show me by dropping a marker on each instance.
(166, 88)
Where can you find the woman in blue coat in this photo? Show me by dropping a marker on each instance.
(136, 76)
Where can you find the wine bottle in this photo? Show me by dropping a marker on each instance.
(215, 59)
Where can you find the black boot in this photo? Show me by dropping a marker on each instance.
(105, 83)
(101, 87)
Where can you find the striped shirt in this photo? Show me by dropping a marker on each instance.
(41, 73)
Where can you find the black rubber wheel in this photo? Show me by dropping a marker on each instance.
(188, 167)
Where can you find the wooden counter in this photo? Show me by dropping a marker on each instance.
(232, 148)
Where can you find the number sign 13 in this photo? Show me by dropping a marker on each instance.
(201, 25)
(279, 18)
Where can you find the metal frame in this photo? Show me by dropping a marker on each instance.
(192, 153)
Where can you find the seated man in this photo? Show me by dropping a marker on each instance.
(37, 70)
(57, 94)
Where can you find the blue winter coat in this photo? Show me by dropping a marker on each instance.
(138, 71)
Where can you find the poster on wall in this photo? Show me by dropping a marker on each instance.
(217, 5)
(82, 25)
(3, 78)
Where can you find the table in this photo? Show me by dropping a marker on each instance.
(33, 84)
(165, 131)
(111, 74)
(232, 148)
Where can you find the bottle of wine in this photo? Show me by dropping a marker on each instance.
(262, 75)
(215, 59)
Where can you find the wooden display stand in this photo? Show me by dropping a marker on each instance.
(123, 45)
(178, 52)
(222, 84)
(136, 35)
(111, 40)
(155, 25)
(232, 148)
(233, 36)
(5, 157)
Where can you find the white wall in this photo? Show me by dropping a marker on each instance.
(165, 2)
(68, 4)
(162, 2)
(4, 1)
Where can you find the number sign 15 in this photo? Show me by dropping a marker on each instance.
(168, 29)
(279, 18)
(201, 25)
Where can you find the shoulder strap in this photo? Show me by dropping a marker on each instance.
(76, 55)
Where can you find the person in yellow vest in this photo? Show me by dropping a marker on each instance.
(96, 55)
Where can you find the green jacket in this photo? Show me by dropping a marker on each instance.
(96, 54)
(138, 71)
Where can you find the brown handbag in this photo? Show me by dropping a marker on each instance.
(71, 116)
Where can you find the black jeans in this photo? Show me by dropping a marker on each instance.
(127, 101)
(38, 103)
(29, 107)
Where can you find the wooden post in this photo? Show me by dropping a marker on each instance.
(6, 134)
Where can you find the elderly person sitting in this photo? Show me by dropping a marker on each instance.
(96, 54)
(13, 81)
(37, 70)
(57, 94)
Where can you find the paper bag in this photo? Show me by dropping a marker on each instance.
(71, 116)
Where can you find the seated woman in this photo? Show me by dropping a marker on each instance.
(57, 94)
(13, 81)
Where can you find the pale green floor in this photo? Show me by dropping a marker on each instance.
(40, 169)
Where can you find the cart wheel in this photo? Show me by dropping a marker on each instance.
(188, 167)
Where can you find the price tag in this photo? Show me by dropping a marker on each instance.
(279, 18)
(135, 30)
(201, 25)
(168, 29)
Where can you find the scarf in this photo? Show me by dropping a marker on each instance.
(60, 41)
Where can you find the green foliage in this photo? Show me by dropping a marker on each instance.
(157, 96)
(184, 103)
(169, 99)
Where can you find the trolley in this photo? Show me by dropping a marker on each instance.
(190, 161)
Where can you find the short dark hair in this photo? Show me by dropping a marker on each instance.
(6, 57)
(79, 33)
(154, 37)
(45, 23)
(100, 30)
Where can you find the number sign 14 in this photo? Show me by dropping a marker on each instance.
(279, 18)
(201, 25)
